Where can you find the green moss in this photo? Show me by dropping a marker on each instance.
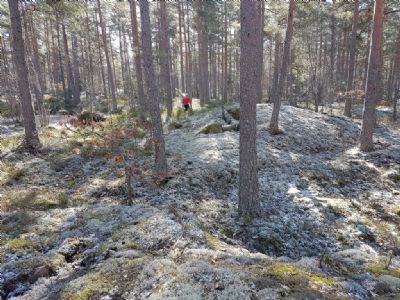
(56, 261)
(212, 128)
(96, 285)
(212, 240)
(284, 270)
(8, 142)
(18, 200)
(133, 244)
(63, 199)
(187, 227)
(13, 173)
(98, 216)
(321, 281)
(378, 270)
(116, 236)
(19, 245)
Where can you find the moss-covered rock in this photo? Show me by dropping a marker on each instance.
(19, 246)
(321, 281)
(212, 128)
(174, 125)
(86, 117)
(235, 113)
(379, 269)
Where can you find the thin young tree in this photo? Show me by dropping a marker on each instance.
(373, 91)
(31, 141)
(249, 203)
(158, 137)
(352, 58)
(274, 124)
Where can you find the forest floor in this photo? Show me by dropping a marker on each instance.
(329, 226)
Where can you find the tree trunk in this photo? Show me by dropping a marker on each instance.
(136, 51)
(180, 47)
(333, 43)
(350, 74)
(108, 61)
(249, 203)
(32, 142)
(225, 59)
(32, 56)
(274, 126)
(103, 76)
(165, 58)
(90, 80)
(260, 53)
(396, 77)
(158, 137)
(76, 91)
(186, 33)
(70, 77)
(276, 66)
(60, 64)
(122, 59)
(373, 89)
(203, 54)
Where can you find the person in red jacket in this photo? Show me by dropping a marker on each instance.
(186, 102)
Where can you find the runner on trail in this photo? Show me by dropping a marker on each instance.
(186, 102)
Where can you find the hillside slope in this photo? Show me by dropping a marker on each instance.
(330, 217)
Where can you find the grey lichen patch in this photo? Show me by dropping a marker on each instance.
(112, 277)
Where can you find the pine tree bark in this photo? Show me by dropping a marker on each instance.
(276, 66)
(225, 59)
(350, 73)
(32, 57)
(189, 62)
(137, 56)
(90, 78)
(373, 89)
(261, 53)
(165, 58)
(31, 141)
(108, 59)
(396, 78)
(76, 91)
(181, 47)
(249, 203)
(122, 59)
(333, 44)
(274, 125)
(158, 137)
(103, 77)
(203, 77)
(70, 77)
(59, 60)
